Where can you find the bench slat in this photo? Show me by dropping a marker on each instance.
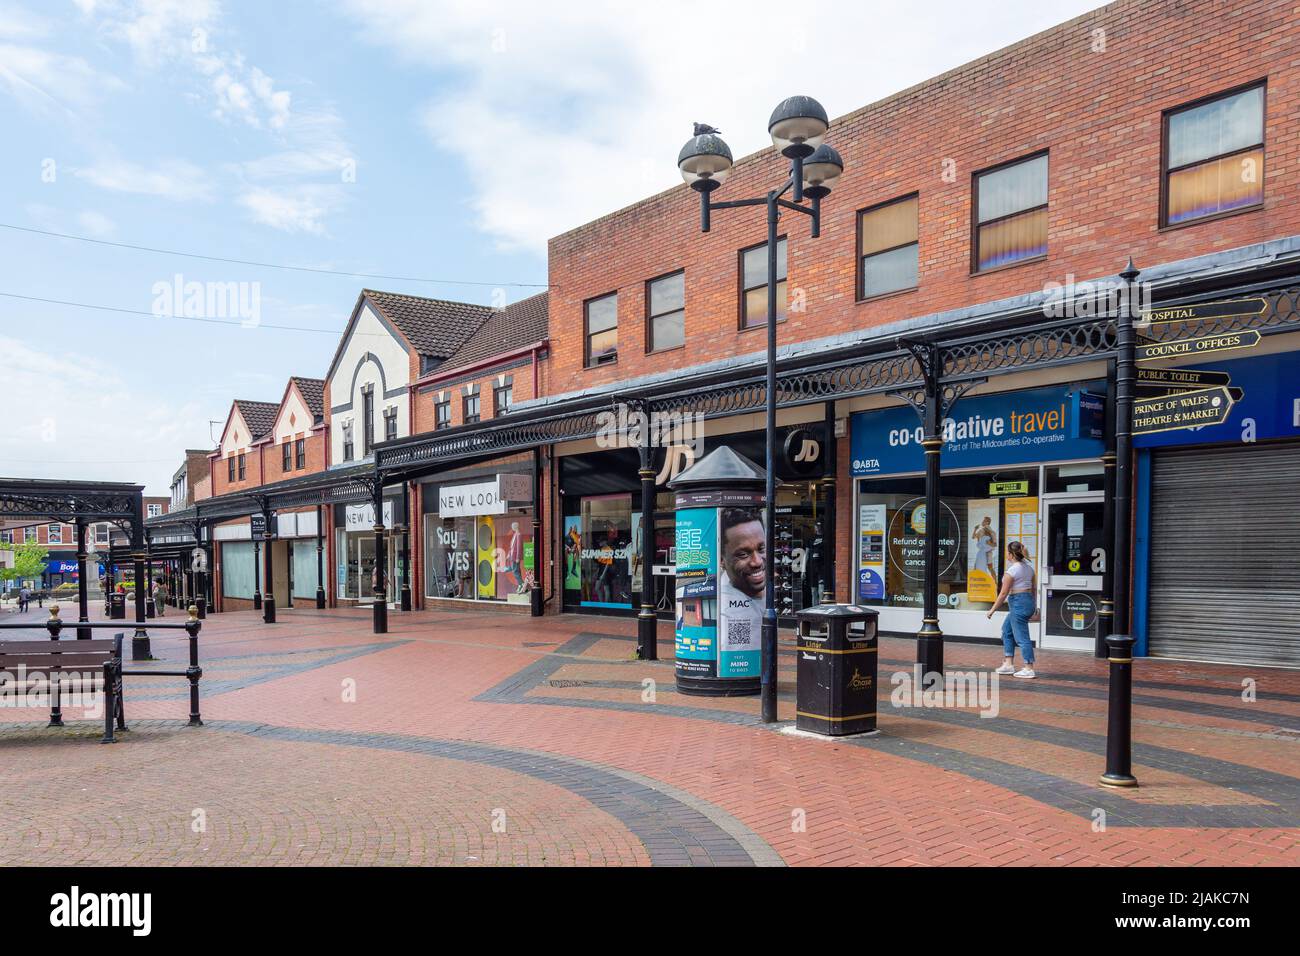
(40, 662)
(16, 648)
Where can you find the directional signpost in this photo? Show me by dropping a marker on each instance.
(1202, 406)
(1206, 310)
(1149, 351)
(1180, 378)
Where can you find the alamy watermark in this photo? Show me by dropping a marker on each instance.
(177, 298)
(75, 689)
(681, 433)
(1081, 300)
(952, 689)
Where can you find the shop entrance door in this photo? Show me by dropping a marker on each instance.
(1074, 560)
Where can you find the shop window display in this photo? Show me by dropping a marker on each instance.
(980, 514)
(484, 557)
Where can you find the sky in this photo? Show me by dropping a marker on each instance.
(437, 144)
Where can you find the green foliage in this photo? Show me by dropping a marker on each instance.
(29, 562)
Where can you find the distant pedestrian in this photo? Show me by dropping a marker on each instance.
(24, 598)
(40, 599)
(160, 597)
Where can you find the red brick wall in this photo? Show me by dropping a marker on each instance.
(1099, 114)
(423, 401)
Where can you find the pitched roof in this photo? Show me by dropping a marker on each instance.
(517, 325)
(313, 393)
(436, 327)
(258, 416)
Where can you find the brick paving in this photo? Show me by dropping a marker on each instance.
(472, 738)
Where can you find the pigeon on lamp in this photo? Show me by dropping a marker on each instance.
(702, 128)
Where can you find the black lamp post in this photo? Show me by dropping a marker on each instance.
(798, 127)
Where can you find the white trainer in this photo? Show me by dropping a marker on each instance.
(1005, 669)
(1025, 672)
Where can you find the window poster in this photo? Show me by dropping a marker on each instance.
(871, 553)
(1021, 524)
(573, 553)
(982, 550)
(697, 592)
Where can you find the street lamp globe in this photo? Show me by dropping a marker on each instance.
(705, 161)
(820, 170)
(798, 125)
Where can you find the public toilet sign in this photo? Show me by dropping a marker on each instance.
(1193, 348)
(1204, 406)
(1206, 310)
(1187, 378)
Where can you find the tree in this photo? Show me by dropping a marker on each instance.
(29, 562)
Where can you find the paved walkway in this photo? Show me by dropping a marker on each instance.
(474, 738)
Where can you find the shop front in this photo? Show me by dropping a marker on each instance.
(478, 537)
(601, 538)
(1016, 466)
(354, 551)
(1215, 566)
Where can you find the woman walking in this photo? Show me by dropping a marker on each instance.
(1018, 593)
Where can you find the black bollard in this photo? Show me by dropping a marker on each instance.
(1119, 722)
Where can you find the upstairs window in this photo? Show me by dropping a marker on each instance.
(753, 285)
(29, 535)
(286, 457)
(1011, 213)
(602, 330)
(242, 472)
(155, 511)
(347, 441)
(471, 409)
(442, 414)
(101, 534)
(666, 312)
(390, 424)
(300, 452)
(1214, 157)
(367, 420)
(502, 398)
(887, 247)
(230, 468)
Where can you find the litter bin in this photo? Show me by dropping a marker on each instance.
(117, 607)
(835, 689)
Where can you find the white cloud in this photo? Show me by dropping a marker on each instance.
(567, 112)
(51, 83)
(96, 224)
(174, 179)
(300, 208)
(66, 437)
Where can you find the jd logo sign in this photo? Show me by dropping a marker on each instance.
(803, 452)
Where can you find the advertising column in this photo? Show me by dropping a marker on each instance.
(721, 571)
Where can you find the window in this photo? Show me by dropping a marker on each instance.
(888, 247)
(1214, 157)
(154, 511)
(300, 452)
(1011, 213)
(6, 537)
(602, 330)
(29, 535)
(230, 468)
(666, 312)
(390, 424)
(367, 421)
(471, 409)
(753, 282)
(286, 457)
(442, 414)
(54, 534)
(347, 441)
(101, 534)
(502, 396)
(242, 472)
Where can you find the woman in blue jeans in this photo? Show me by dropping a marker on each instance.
(1018, 593)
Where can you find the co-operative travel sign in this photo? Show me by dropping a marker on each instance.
(1038, 424)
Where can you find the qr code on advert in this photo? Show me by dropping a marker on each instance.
(739, 633)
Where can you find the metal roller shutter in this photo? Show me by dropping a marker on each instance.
(1225, 554)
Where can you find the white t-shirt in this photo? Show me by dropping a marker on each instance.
(1022, 576)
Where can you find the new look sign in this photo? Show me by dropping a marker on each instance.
(1035, 425)
(483, 497)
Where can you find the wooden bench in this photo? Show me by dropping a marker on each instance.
(81, 663)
